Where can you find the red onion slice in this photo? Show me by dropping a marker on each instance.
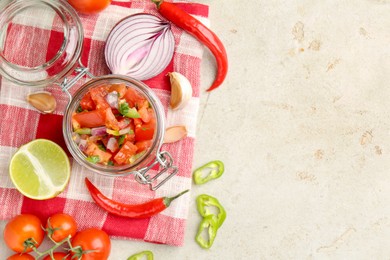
(140, 46)
(98, 131)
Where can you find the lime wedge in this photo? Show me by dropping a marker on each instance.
(40, 169)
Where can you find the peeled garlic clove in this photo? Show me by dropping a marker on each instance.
(43, 101)
(175, 133)
(181, 90)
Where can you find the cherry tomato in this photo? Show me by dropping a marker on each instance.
(92, 239)
(89, 6)
(24, 228)
(58, 256)
(61, 226)
(21, 257)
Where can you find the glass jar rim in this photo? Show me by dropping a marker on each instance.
(62, 63)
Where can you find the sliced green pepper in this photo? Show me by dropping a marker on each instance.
(205, 202)
(207, 232)
(148, 255)
(209, 171)
(84, 131)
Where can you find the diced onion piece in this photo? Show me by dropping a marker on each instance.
(112, 99)
(83, 144)
(98, 131)
(140, 46)
(112, 144)
(124, 131)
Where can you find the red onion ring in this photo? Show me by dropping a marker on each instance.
(140, 46)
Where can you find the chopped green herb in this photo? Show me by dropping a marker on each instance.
(79, 109)
(144, 128)
(125, 110)
(101, 147)
(110, 163)
(121, 139)
(93, 159)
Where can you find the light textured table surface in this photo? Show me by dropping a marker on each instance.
(302, 124)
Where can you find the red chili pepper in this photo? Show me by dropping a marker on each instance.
(201, 32)
(143, 210)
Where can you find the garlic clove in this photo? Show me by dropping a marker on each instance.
(174, 134)
(181, 90)
(43, 101)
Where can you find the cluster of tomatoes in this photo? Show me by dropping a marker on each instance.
(25, 233)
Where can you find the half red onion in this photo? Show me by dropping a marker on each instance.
(140, 46)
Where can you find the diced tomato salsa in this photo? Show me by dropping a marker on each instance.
(114, 125)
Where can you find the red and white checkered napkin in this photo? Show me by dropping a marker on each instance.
(20, 123)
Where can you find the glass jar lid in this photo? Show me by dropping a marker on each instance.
(40, 41)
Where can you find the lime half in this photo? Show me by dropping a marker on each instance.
(40, 169)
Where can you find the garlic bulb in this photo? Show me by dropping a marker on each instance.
(181, 90)
(43, 101)
(174, 134)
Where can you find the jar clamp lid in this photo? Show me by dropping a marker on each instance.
(22, 29)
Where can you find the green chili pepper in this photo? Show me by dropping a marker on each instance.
(209, 171)
(84, 131)
(141, 255)
(205, 204)
(207, 232)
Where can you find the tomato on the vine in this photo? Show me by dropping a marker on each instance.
(93, 243)
(58, 256)
(89, 6)
(21, 257)
(60, 226)
(23, 232)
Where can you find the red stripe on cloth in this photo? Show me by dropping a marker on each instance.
(97, 62)
(161, 81)
(10, 203)
(129, 191)
(18, 125)
(86, 52)
(124, 4)
(190, 67)
(31, 45)
(55, 42)
(186, 146)
(50, 127)
(126, 227)
(43, 208)
(86, 213)
(166, 230)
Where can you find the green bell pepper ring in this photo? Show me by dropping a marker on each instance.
(209, 171)
(148, 255)
(205, 203)
(207, 232)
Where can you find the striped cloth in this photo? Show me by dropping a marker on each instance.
(21, 123)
